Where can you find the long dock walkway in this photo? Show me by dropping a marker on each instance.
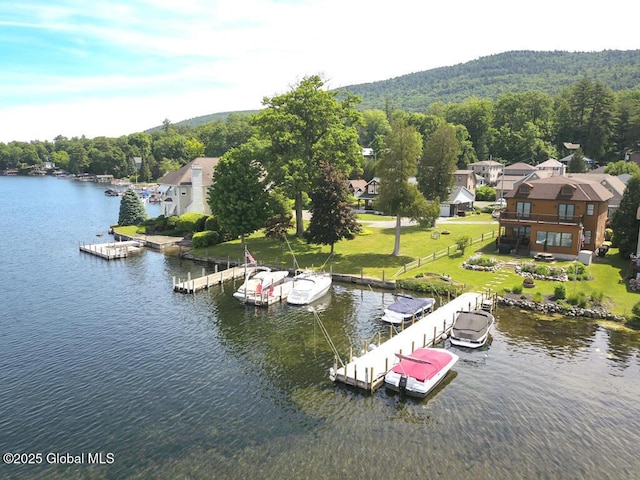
(205, 281)
(112, 250)
(367, 371)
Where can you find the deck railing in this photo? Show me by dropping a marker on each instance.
(540, 218)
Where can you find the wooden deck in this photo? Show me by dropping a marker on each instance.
(367, 371)
(112, 250)
(205, 281)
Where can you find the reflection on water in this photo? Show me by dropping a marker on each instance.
(103, 356)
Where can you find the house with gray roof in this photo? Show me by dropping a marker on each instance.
(185, 190)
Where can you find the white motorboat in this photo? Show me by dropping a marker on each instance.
(309, 286)
(419, 373)
(471, 329)
(408, 309)
(262, 286)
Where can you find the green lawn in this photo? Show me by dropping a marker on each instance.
(369, 254)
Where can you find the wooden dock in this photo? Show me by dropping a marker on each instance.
(205, 281)
(367, 371)
(112, 250)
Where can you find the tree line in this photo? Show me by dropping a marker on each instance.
(528, 127)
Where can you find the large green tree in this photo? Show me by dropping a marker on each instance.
(585, 115)
(439, 162)
(132, 211)
(238, 197)
(477, 115)
(403, 146)
(303, 127)
(622, 166)
(624, 222)
(332, 218)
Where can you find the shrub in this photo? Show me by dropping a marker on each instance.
(543, 270)
(517, 289)
(191, 222)
(578, 271)
(463, 242)
(205, 239)
(596, 297)
(560, 291)
(434, 285)
(608, 234)
(579, 299)
(636, 310)
(172, 222)
(482, 261)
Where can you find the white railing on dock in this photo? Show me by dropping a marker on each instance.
(367, 371)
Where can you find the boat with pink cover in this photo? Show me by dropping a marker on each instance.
(419, 373)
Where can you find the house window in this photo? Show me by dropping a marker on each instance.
(590, 208)
(566, 211)
(525, 189)
(554, 239)
(567, 191)
(523, 209)
(587, 237)
(521, 232)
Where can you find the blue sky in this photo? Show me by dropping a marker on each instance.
(111, 68)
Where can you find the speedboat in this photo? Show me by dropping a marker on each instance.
(309, 286)
(419, 373)
(259, 286)
(407, 309)
(471, 329)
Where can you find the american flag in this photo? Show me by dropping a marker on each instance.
(249, 256)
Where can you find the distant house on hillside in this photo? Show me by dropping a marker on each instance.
(554, 166)
(487, 169)
(466, 179)
(185, 190)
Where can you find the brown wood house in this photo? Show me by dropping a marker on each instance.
(558, 215)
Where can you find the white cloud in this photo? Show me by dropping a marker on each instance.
(125, 66)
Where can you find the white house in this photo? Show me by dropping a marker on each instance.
(554, 166)
(460, 200)
(488, 169)
(185, 190)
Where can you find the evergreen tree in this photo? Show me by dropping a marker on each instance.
(332, 218)
(132, 211)
(624, 223)
(576, 164)
(439, 162)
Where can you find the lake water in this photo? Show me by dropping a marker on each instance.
(103, 357)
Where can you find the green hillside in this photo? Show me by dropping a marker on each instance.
(490, 76)
(517, 71)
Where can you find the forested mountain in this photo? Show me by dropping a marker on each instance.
(488, 77)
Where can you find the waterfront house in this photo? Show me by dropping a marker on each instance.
(615, 185)
(185, 190)
(558, 215)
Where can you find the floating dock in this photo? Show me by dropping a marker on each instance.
(205, 281)
(113, 250)
(367, 371)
